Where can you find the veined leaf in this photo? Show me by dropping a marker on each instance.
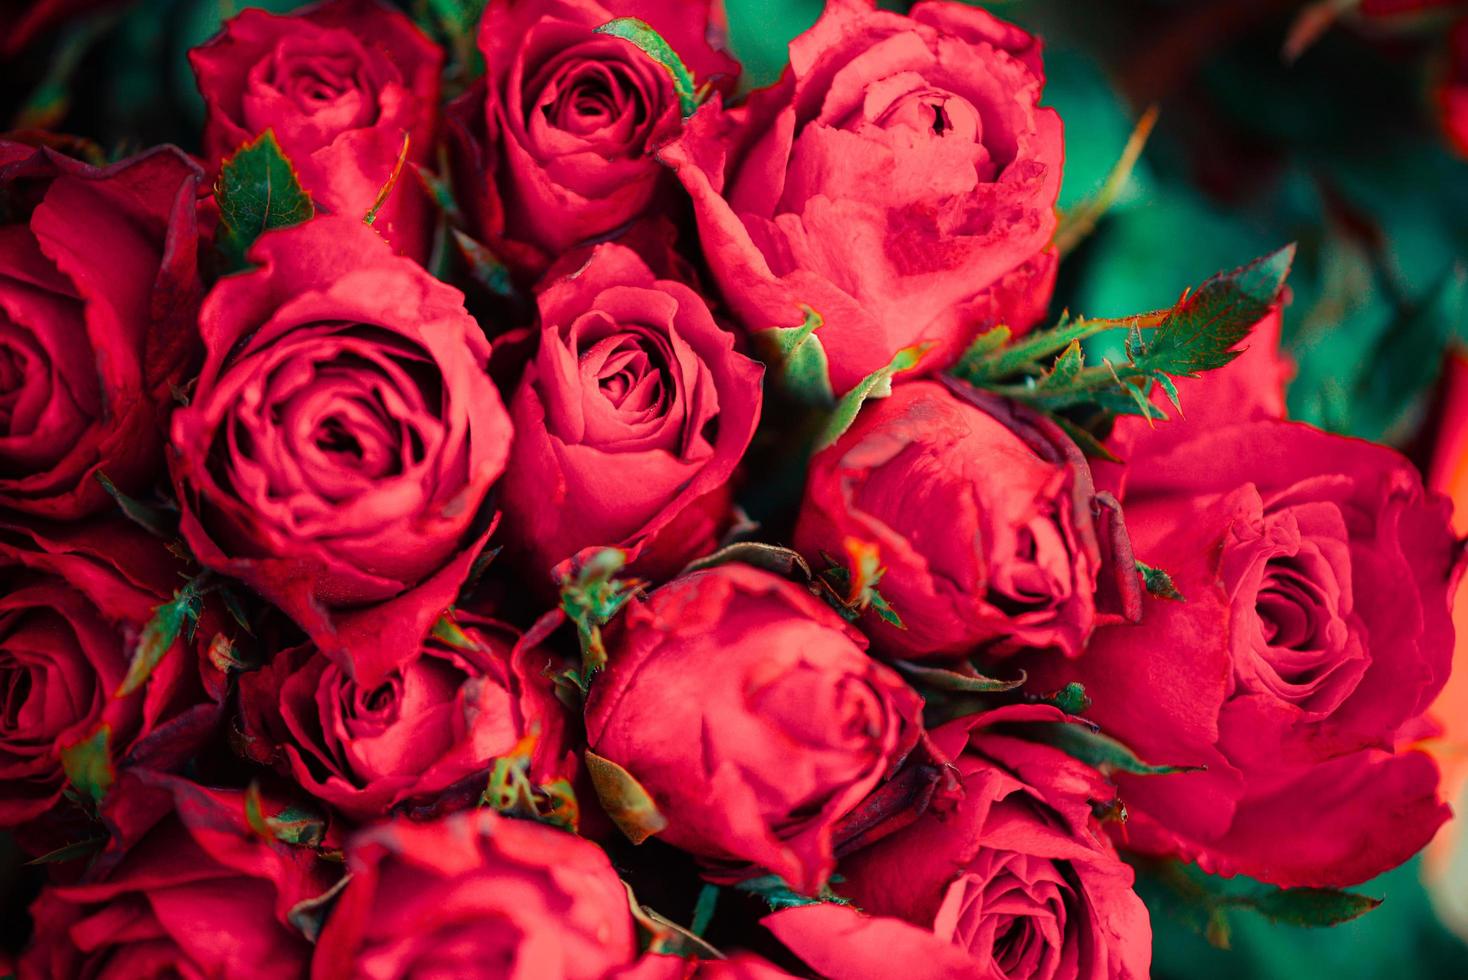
(257, 191)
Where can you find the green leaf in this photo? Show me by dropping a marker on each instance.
(1159, 584)
(703, 909)
(591, 594)
(449, 632)
(664, 937)
(309, 915)
(292, 825)
(624, 799)
(988, 342)
(941, 679)
(88, 763)
(1199, 333)
(257, 191)
(644, 36)
(798, 360)
(770, 557)
(150, 519)
(158, 636)
(1088, 443)
(878, 384)
(1067, 366)
(1097, 750)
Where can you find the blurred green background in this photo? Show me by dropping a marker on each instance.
(1337, 151)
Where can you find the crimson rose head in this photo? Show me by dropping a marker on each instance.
(985, 518)
(476, 894)
(98, 291)
(341, 84)
(74, 600)
(1019, 876)
(751, 713)
(557, 144)
(1317, 575)
(191, 890)
(629, 421)
(343, 411)
(900, 180)
(432, 727)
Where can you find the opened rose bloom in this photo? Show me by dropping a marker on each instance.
(1020, 878)
(900, 180)
(710, 683)
(630, 421)
(1315, 631)
(341, 84)
(343, 409)
(472, 894)
(985, 518)
(189, 887)
(557, 143)
(75, 601)
(426, 736)
(98, 290)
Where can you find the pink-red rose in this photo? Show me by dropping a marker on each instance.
(75, 601)
(431, 729)
(629, 421)
(189, 889)
(1019, 876)
(343, 411)
(341, 84)
(985, 518)
(98, 290)
(1317, 575)
(751, 714)
(474, 894)
(900, 180)
(557, 143)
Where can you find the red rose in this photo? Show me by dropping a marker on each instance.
(1452, 90)
(985, 518)
(341, 83)
(196, 892)
(1317, 576)
(557, 142)
(98, 291)
(435, 723)
(750, 712)
(75, 601)
(630, 420)
(343, 411)
(896, 180)
(476, 893)
(1020, 875)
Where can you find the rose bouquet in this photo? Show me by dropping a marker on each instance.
(519, 503)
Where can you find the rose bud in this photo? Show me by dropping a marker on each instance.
(1317, 575)
(194, 891)
(556, 145)
(76, 599)
(635, 389)
(749, 712)
(1019, 876)
(900, 179)
(985, 518)
(343, 412)
(436, 723)
(450, 897)
(341, 84)
(98, 291)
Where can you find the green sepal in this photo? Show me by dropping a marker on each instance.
(942, 679)
(1099, 751)
(88, 764)
(797, 360)
(169, 621)
(624, 799)
(257, 191)
(591, 594)
(878, 384)
(151, 519)
(778, 895)
(1159, 584)
(645, 37)
(1071, 698)
(293, 825)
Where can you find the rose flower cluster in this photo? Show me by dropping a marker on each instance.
(548, 511)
